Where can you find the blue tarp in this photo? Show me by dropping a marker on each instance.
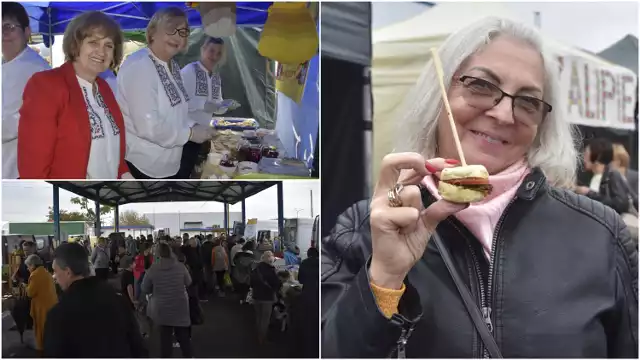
(53, 17)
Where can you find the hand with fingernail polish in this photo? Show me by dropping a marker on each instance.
(400, 224)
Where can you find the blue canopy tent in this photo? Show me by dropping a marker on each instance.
(51, 18)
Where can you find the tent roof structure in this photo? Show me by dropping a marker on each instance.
(127, 192)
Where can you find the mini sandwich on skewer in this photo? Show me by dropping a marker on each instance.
(464, 184)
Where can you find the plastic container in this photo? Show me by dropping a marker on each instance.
(247, 167)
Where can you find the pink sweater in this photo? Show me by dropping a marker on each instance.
(481, 218)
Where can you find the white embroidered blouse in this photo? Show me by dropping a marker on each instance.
(202, 87)
(104, 156)
(155, 107)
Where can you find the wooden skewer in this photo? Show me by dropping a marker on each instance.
(456, 138)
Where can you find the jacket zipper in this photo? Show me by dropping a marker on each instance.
(406, 330)
(488, 295)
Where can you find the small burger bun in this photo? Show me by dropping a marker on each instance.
(459, 194)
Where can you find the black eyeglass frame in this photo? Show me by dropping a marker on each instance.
(180, 31)
(547, 107)
(11, 27)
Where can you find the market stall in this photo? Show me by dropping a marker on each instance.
(274, 133)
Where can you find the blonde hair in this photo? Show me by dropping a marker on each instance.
(554, 148)
(621, 156)
(163, 16)
(266, 255)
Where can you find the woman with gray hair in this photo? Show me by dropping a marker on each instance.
(42, 291)
(265, 286)
(154, 101)
(533, 270)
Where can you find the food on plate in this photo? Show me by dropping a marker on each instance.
(464, 184)
(247, 123)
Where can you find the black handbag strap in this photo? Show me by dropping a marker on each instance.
(469, 303)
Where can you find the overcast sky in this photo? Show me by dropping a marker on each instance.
(28, 201)
(591, 26)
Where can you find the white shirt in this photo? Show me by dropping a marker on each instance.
(202, 87)
(15, 74)
(104, 156)
(234, 250)
(594, 185)
(155, 107)
(111, 79)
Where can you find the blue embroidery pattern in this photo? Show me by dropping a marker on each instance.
(201, 81)
(175, 69)
(216, 85)
(114, 127)
(97, 131)
(169, 87)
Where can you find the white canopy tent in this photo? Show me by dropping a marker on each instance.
(401, 51)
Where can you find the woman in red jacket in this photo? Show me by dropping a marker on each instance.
(70, 125)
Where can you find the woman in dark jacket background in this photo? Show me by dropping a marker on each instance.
(265, 284)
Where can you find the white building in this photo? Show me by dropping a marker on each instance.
(178, 222)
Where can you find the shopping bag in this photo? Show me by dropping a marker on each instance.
(227, 280)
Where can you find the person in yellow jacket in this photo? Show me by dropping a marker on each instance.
(42, 291)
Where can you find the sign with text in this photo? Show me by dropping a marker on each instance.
(597, 95)
(251, 230)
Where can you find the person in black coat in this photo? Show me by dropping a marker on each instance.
(91, 320)
(205, 252)
(309, 304)
(193, 260)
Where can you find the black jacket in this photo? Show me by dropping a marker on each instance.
(92, 321)
(614, 191)
(205, 252)
(564, 284)
(265, 282)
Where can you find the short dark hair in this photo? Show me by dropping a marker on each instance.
(15, 11)
(249, 246)
(213, 40)
(72, 256)
(28, 243)
(284, 274)
(164, 250)
(241, 241)
(601, 150)
(312, 252)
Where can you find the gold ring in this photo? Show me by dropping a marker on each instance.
(394, 196)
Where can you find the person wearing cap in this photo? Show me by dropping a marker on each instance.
(127, 281)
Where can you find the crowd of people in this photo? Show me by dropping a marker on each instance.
(150, 123)
(162, 286)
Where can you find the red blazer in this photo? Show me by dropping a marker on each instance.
(54, 134)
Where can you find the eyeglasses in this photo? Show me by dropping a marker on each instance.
(183, 32)
(9, 28)
(482, 94)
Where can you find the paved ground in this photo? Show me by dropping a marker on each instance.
(228, 332)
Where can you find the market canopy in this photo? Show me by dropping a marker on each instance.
(114, 193)
(51, 18)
